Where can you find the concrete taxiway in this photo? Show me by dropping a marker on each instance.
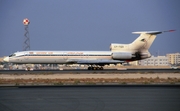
(79, 71)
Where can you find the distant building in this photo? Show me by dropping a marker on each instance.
(174, 58)
(134, 63)
(155, 61)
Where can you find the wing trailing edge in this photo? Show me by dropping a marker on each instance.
(97, 61)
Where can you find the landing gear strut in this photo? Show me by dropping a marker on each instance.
(95, 68)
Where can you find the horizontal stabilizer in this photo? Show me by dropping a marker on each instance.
(152, 32)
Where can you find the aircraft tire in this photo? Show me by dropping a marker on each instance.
(101, 68)
(90, 68)
(95, 68)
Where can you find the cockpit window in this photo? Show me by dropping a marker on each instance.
(12, 55)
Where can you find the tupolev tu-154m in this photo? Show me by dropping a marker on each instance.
(119, 53)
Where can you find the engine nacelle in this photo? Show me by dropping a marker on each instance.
(121, 55)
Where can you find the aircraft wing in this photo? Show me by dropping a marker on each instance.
(94, 61)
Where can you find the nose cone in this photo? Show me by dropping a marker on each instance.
(6, 59)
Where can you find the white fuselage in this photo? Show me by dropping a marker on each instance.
(60, 57)
(71, 57)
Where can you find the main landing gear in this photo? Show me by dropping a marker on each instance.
(95, 68)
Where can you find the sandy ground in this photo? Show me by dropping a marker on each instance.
(81, 76)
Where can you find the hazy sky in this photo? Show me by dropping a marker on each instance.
(87, 24)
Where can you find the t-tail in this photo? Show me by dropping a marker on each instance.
(139, 47)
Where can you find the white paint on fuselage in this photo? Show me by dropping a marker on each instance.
(60, 57)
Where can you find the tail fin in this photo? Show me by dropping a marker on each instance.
(145, 40)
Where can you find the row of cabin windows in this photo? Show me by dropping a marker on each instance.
(61, 55)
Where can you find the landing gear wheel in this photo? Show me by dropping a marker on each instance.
(95, 68)
(89, 68)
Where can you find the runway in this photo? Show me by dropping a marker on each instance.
(91, 98)
(79, 71)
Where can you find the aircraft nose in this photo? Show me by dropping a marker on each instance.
(6, 59)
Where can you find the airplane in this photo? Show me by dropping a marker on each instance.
(119, 53)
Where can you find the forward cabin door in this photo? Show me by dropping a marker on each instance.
(26, 58)
(65, 57)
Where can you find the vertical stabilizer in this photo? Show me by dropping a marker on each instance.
(145, 40)
(141, 44)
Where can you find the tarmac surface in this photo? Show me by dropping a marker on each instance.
(72, 71)
(91, 98)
